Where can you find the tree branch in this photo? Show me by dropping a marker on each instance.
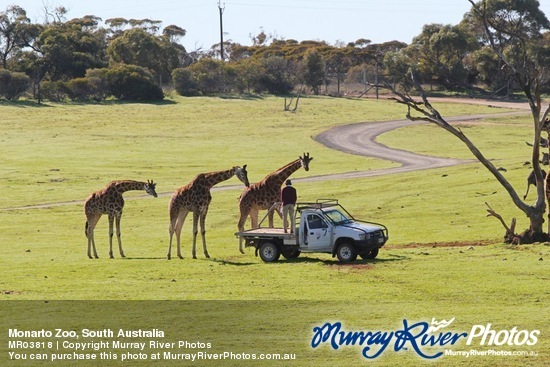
(510, 235)
(492, 213)
(430, 114)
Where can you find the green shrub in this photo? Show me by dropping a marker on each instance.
(89, 88)
(184, 82)
(131, 82)
(209, 75)
(277, 76)
(53, 91)
(13, 85)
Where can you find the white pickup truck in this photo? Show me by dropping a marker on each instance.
(323, 227)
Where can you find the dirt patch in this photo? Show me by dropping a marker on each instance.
(351, 266)
(9, 292)
(444, 244)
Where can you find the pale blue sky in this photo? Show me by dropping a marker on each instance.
(327, 20)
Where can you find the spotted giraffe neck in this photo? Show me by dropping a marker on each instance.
(126, 185)
(214, 178)
(279, 176)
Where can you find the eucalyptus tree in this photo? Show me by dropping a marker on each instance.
(141, 45)
(514, 31)
(314, 70)
(67, 49)
(439, 51)
(16, 33)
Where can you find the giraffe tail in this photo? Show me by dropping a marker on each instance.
(86, 229)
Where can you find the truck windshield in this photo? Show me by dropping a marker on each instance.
(337, 216)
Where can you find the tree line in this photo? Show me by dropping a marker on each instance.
(129, 59)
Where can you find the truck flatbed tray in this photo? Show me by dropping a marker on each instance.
(259, 232)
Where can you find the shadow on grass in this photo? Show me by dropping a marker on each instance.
(336, 262)
(246, 96)
(145, 258)
(233, 263)
(24, 104)
(30, 103)
(164, 102)
(189, 258)
(300, 260)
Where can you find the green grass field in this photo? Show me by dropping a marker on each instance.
(59, 153)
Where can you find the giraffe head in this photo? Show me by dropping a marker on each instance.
(242, 174)
(305, 161)
(150, 188)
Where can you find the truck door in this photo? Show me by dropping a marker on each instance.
(317, 234)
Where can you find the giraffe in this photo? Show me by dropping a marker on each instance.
(109, 201)
(263, 194)
(195, 197)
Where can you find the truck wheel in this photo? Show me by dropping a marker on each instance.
(346, 253)
(269, 252)
(291, 254)
(369, 254)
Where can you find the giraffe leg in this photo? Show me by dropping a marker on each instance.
(179, 225)
(171, 230)
(240, 226)
(89, 236)
(111, 219)
(195, 231)
(203, 233)
(90, 225)
(254, 223)
(118, 235)
(254, 217)
(279, 211)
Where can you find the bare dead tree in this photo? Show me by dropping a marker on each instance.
(423, 111)
(510, 30)
(289, 104)
(520, 27)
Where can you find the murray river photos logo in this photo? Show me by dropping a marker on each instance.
(428, 340)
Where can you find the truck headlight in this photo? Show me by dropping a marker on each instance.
(364, 236)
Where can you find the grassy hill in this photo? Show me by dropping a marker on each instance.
(444, 258)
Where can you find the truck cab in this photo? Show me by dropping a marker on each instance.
(323, 226)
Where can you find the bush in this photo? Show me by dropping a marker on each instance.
(83, 89)
(126, 82)
(184, 82)
(53, 91)
(209, 75)
(131, 82)
(277, 76)
(13, 85)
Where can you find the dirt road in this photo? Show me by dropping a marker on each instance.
(360, 139)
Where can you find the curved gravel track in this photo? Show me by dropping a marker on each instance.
(360, 139)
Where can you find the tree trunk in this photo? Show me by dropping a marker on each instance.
(536, 212)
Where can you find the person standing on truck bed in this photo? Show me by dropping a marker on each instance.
(288, 199)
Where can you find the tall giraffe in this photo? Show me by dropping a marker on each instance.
(195, 197)
(109, 201)
(263, 194)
